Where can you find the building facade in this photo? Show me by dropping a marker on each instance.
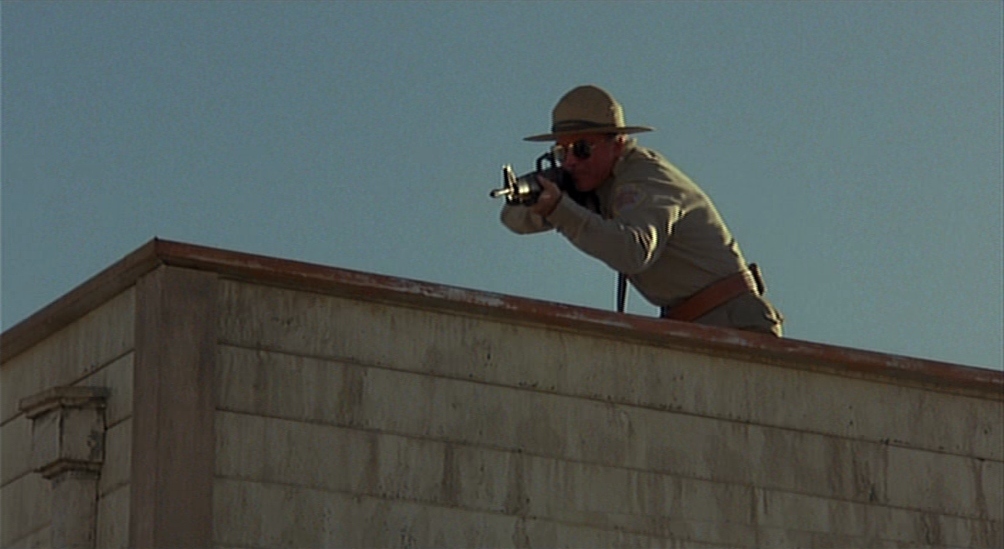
(196, 397)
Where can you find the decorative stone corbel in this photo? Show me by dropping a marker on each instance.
(68, 448)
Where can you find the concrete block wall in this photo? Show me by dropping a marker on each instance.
(257, 402)
(94, 350)
(344, 422)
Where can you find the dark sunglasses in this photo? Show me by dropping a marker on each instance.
(580, 149)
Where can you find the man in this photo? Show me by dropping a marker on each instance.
(653, 225)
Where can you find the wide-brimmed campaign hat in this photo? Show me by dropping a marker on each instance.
(587, 109)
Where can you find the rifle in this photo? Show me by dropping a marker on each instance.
(525, 190)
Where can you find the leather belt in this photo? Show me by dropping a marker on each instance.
(716, 294)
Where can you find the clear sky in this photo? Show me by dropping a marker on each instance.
(853, 148)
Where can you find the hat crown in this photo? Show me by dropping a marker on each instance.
(587, 109)
(586, 106)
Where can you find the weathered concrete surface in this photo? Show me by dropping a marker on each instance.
(74, 509)
(93, 349)
(68, 449)
(69, 354)
(174, 400)
(568, 432)
(335, 408)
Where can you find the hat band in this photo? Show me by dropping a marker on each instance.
(575, 125)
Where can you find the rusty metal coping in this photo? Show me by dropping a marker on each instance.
(939, 376)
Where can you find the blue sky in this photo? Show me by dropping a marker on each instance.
(854, 148)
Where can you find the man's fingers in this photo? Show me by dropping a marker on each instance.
(547, 185)
(548, 190)
(550, 194)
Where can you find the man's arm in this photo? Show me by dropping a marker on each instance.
(520, 220)
(635, 237)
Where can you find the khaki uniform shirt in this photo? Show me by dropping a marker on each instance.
(654, 225)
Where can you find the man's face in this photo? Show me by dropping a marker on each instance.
(601, 152)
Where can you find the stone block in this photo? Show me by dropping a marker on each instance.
(402, 525)
(39, 539)
(25, 507)
(480, 478)
(117, 466)
(330, 458)
(74, 509)
(810, 463)
(990, 479)
(889, 524)
(15, 442)
(707, 501)
(67, 429)
(500, 417)
(295, 387)
(941, 483)
(789, 511)
(258, 448)
(113, 519)
(390, 400)
(265, 515)
(255, 514)
(692, 446)
(576, 492)
(408, 468)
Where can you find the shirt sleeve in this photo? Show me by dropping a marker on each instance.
(520, 220)
(643, 215)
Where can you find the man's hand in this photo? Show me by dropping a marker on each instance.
(549, 197)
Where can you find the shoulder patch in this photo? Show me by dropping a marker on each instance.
(628, 196)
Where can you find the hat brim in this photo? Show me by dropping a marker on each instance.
(602, 129)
